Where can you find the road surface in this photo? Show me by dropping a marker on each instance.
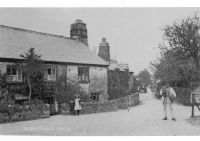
(143, 119)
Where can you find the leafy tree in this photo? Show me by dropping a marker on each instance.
(179, 59)
(32, 66)
(170, 68)
(183, 39)
(144, 77)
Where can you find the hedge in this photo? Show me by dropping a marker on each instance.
(24, 112)
(117, 92)
(183, 95)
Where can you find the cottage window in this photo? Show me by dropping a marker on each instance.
(83, 74)
(14, 74)
(50, 74)
(95, 96)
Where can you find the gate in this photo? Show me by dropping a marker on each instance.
(195, 102)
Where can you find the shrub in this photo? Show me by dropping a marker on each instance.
(183, 95)
(36, 109)
(117, 92)
(66, 91)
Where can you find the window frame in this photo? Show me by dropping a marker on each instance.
(51, 77)
(16, 77)
(96, 95)
(83, 75)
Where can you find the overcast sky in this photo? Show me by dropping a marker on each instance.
(133, 33)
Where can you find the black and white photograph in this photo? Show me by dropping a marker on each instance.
(100, 71)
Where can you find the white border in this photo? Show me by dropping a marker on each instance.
(99, 3)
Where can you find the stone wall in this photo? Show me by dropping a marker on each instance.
(133, 99)
(111, 105)
(107, 106)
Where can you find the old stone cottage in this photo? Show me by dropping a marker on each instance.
(65, 57)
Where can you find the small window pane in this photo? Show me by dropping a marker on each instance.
(83, 74)
(53, 71)
(79, 78)
(49, 71)
(50, 74)
(86, 79)
(14, 71)
(8, 70)
(19, 71)
(95, 96)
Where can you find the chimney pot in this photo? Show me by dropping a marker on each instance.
(103, 39)
(104, 50)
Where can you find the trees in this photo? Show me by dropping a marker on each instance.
(180, 51)
(183, 39)
(144, 77)
(32, 66)
(171, 68)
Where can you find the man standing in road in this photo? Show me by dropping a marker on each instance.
(168, 95)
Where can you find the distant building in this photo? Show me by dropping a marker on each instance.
(65, 57)
(119, 74)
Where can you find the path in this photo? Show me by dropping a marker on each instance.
(143, 119)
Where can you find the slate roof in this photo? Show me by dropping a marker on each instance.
(115, 65)
(16, 41)
(121, 67)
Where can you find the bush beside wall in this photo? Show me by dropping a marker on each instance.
(183, 95)
(24, 113)
(118, 92)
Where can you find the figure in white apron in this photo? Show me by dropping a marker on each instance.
(77, 106)
(168, 95)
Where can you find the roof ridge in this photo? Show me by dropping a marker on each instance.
(36, 32)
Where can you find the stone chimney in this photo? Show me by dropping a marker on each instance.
(104, 50)
(79, 31)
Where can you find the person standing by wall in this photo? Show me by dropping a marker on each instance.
(77, 106)
(168, 95)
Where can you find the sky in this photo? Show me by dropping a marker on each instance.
(132, 33)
